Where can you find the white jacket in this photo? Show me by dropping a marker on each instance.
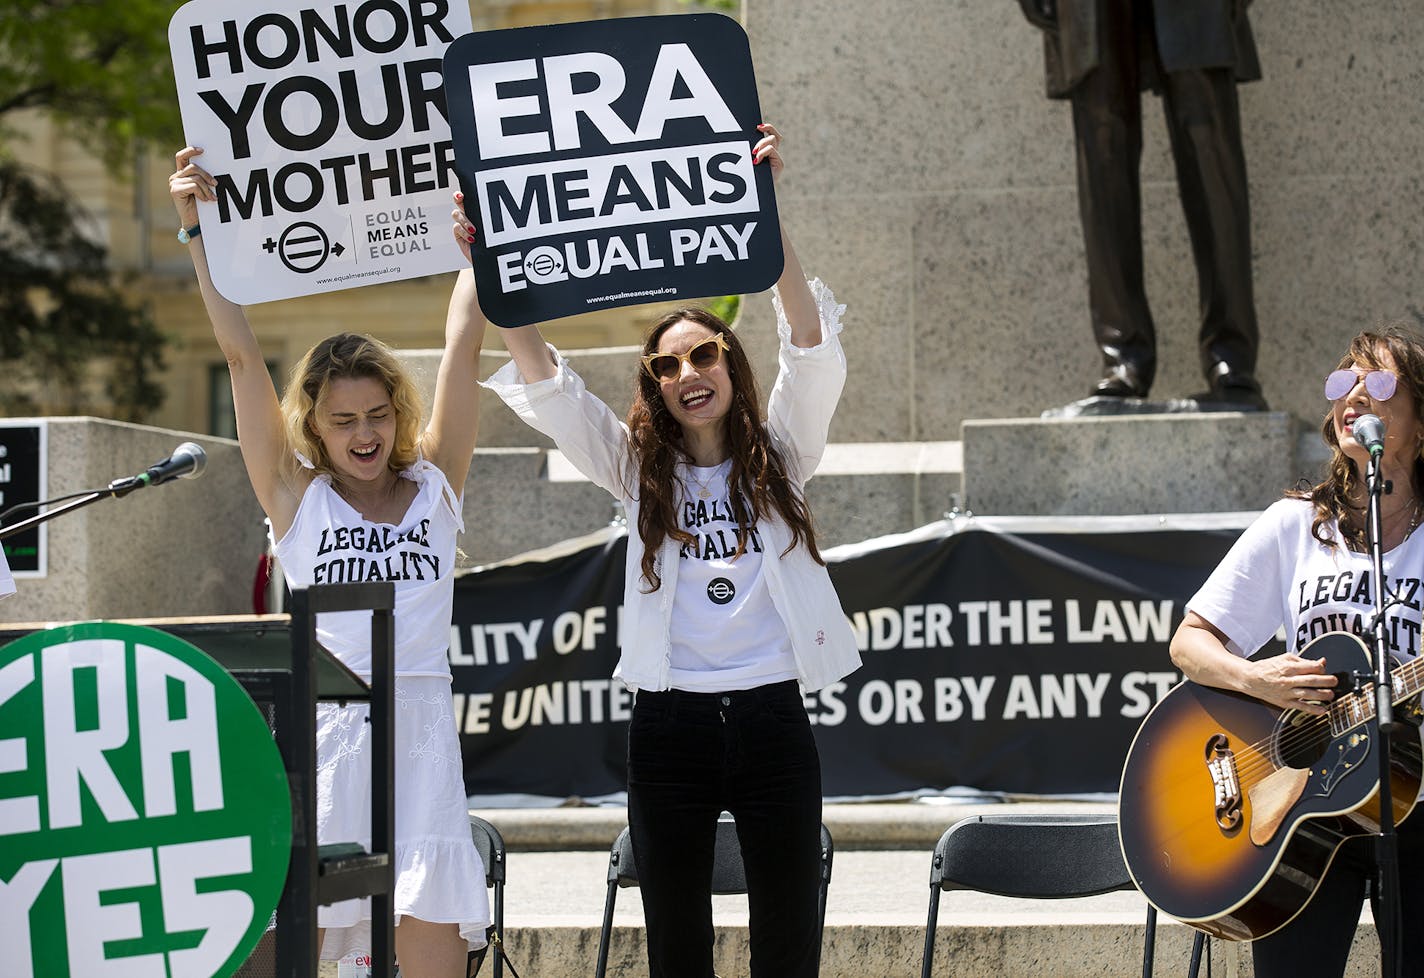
(803, 399)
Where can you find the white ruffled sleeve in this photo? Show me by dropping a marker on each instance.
(808, 385)
(826, 305)
(592, 437)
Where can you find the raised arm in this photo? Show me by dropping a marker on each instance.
(259, 418)
(525, 343)
(449, 439)
(796, 299)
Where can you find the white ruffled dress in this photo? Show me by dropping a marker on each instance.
(439, 875)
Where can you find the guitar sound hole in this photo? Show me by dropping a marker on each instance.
(1301, 739)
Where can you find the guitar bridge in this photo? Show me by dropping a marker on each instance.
(1226, 788)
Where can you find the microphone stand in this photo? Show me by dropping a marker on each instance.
(117, 489)
(1386, 842)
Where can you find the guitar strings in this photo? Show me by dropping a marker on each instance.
(1306, 731)
(1248, 771)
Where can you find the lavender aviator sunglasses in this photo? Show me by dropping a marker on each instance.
(1379, 384)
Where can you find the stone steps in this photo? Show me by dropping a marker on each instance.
(876, 906)
(1087, 466)
(861, 491)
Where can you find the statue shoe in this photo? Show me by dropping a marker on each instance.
(1232, 397)
(1120, 380)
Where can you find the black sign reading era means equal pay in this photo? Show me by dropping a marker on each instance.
(609, 163)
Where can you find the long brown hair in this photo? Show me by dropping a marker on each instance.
(758, 475)
(350, 355)
(1342, 483)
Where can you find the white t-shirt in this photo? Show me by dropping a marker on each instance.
(1278, 574)
(725, 631)
(331, 543)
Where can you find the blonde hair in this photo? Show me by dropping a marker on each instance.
(350, 355)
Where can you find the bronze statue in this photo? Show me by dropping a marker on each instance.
(1102, 54)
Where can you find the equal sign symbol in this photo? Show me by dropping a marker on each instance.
(304, 247)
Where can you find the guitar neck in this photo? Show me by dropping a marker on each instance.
(1350, 711)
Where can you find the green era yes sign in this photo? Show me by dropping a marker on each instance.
(145, 820)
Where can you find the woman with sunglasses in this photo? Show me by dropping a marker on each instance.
(728, 607)
(1301, 566)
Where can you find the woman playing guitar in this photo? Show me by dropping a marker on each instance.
(1303, 565)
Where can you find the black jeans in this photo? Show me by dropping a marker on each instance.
(1317, 942)
(692, 756)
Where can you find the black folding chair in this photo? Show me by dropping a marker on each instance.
(490, 845)
(1034, 857)
(728, 876)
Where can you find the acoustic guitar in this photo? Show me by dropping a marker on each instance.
(1231, 810)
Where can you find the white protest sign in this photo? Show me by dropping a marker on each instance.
(325, 125)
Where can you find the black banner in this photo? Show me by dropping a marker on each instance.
(1015, 655)
(22, 478)
(609, 163)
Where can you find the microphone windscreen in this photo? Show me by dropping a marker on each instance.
(195, 451)
(1368, 431)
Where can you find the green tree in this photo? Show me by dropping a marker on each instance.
(101, 72)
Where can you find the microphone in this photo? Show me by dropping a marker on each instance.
(1368, 432)
(187, 462)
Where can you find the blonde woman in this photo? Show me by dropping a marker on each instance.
(355, 490)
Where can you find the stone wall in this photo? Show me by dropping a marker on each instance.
(188, 547)
(931, 182)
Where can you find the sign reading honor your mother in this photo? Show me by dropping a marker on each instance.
(325, 126)
(145, 820)
(609, 163)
